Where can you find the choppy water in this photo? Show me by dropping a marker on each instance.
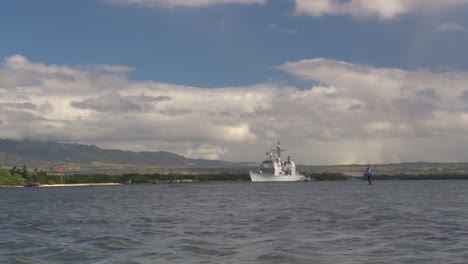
(317, 222)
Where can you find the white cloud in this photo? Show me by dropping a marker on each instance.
(115, 68)
(358, 103)
(351, 113)
(205, 152)
(71, 104)
(21, 75)
(452, 26)
(383, 9)
(185, 3)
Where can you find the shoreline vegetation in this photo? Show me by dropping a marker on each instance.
(16, 177)
(445, 176)
(61, 185)
(23, 178)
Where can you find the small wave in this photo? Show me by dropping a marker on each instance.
(27, 260)
(122, 243)
(346, 222)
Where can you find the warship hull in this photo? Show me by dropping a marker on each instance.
(263, 177)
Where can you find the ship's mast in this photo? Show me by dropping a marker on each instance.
(278, 149)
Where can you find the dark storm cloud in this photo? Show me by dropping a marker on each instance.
(355, 107)
(225, 114)
(175, 112)
(149, 99)
(464, 95)
(46, 107)
(21, 116)
(118, 103)
(24, 105)
(258, 111)
(429, 93)
(108, 103)
(414, 109)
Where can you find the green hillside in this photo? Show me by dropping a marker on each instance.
(37, 153)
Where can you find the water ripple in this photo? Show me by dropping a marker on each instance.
(318, 222)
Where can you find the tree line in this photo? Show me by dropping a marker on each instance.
(443, 176)
(22, 176)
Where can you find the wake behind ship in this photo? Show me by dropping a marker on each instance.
(273, 169)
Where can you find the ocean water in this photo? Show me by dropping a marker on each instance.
(310, 222)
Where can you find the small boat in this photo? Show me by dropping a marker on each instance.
(273, 169)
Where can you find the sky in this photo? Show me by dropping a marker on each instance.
(336, 81)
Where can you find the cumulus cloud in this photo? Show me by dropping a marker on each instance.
(351, 113)
(26, 78)
(107, 103)
(72, 104)
(381, 105)
(115, 68)
(205, 152)
(185, 3)
(175, 111)
(116, 103)
(24, 106)
(383, 9)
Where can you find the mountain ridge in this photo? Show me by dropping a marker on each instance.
(33, 153)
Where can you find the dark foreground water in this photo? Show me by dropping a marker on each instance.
(316, 222)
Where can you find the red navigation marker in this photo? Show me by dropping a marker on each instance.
(61, 170)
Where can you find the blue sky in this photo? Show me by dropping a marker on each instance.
(219, 45)
(243, 47)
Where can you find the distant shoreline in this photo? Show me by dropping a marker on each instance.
(60, 185)
(78, 184)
